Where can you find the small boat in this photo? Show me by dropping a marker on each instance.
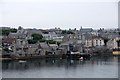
(75, 52)
(81, 58)
(21, 61)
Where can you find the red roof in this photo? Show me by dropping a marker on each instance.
(97, 37)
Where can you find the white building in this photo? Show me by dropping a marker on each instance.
(52, 36)
(49, 36)
(94, 41)
(113, 43)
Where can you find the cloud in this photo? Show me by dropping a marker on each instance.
(59, 13)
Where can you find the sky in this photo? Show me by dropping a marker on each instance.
(45, 14)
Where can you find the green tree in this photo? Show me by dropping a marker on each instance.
(5, 32)
(119, 33)
(42, 40)
(51, 41)
(45, 32)
(70, 32)
(31, 41)
(67, 32)
(58, 43)
(64, 32)
(37, 36)
(13, 30)
(105, 41)
(6, 49)
(118, 42)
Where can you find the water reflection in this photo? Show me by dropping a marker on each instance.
(15, 65)
(96, 67)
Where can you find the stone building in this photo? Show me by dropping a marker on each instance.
(21, 34)
(53, 46)
(44, 47)
(113, 43)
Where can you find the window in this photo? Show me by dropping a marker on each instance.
(100, 42)
(96, 42)
(87, 43)
(21, 42)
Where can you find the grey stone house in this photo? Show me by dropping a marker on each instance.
(44, 47)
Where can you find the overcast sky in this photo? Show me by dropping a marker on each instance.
(59, 13)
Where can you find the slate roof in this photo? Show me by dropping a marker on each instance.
(86, 30)
(110, 41)
(52, 45)
(44, 45)
(33, 45)
(87, 36)
(66, 43)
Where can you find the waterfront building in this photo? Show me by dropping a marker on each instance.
(20, 46)
(33, 49)
(110, 43)
(65, 47)
(44, 47)
(94, 41)
(7, 41)
(53, 46)
(113, 44)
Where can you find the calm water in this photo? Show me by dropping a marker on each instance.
(97, 67)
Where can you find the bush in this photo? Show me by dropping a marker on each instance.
(119, 33)
(6, 32)
(45, 32)
(37, 36)
(64, 32)
(42, 40)
(58, 43)
(6, 49)
(30, 41)
(13, 30)
(70, 32)
(67, 32)
(105, 41)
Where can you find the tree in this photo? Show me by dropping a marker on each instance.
(37, 36)
(105, 41)
(6, 49)
(42, 40)
(45, 32)
(119, 33)
(58, 43)
(64, 32)
(5, 32)
(118, 42)
(70, 32)
(31, 41)
(51, 41)
(13, 30)
(67, 32)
